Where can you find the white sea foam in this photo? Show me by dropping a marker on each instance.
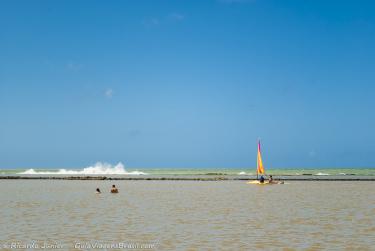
(322, 174)
(244, 173)
(98, 168)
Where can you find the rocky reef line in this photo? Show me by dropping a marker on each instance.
(295, 178)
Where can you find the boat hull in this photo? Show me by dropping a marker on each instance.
(257, 182)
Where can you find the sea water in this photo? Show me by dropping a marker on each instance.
(119, 169)
(187, 215)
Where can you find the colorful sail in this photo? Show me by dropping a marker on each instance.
(260, 168)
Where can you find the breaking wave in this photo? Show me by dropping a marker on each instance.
(322, 174)
(244, 173)
(98, 168)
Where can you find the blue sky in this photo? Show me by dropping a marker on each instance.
(187, 83)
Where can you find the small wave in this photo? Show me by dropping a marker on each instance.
(322, 174)
(98, 168)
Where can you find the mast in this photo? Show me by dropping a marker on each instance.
(258, 158)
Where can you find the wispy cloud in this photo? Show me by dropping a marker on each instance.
(153, 21)
(108, 93)
(312, 153)
(176, 16)
(73, 66)
(236, 1)
(157, 21)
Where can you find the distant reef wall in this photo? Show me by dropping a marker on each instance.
(216, 178)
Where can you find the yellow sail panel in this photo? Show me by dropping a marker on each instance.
(260, 168)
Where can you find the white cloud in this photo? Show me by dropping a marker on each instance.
(312, 154)
(151, 22)
(108, 93)
(236, 1)
(73, 66)
(157, 21)
(176, 16)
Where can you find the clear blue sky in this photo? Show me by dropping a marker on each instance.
(187, 83)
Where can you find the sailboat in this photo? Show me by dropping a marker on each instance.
(260, 170)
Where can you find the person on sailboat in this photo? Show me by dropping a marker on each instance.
(261, 179)
(272, 181)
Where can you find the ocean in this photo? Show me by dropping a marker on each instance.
(119, 169)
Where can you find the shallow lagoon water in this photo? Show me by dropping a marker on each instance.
(190, 215)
